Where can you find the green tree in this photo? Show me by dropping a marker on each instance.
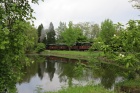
(95, 29)
(86, 28)
(68, 35)
(118, 28)
(123, 48)
(61, 28)
(107, 31)
(71, 35)
(32, 38)
(14, 15)
(80, 36)
(89, 30)
(51, 34)
(40, 28)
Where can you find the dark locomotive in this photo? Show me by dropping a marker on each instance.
(77, 46)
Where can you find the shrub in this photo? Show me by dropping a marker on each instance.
(40, 47)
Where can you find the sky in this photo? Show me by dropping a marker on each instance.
(95, 11)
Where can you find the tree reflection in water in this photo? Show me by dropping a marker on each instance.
(41, 69)
(50, 69)
(62, 72)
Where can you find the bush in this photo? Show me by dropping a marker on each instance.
(40, 47)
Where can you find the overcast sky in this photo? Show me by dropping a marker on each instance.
(83, 11)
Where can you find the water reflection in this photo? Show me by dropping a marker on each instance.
(52, 73)
(50, 69)
(41, 69)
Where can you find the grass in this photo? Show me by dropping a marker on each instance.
(84, 89)
(71, 54)
(129, 86)
(130, 83)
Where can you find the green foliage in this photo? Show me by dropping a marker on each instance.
(61, 28)
(74, 30)
(79, 35)
(11, 52)
(14, 15)
(40, 47)
(86, 28)
(131, 39)
(69, 35)
(107, 31)
(32, 38)
(123, 48)
(97, 44)
(79, 69)
(130, 83)
(89, 31)
(84, 89)
(129, 86)
(72, 34)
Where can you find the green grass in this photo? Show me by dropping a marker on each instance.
(129, 86)
(84, 89)
(72, 54)
(130, 83)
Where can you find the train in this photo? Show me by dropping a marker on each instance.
(81, 46)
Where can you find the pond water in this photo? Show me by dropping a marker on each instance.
(53, 73)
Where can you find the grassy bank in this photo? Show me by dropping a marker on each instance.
(71, 54)
(84, 89)
(129, 86)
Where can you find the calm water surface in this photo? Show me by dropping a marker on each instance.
(53, 73)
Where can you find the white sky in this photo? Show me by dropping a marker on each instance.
(83, 11)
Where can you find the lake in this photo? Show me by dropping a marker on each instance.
(53, 73)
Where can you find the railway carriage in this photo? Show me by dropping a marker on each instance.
(62, 47)
(52, 47)
(84, 45)
(78, 46)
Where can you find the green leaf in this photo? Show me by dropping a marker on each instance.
(2, 47)
(127, 65)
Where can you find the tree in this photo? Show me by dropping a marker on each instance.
(95, 31)
(32, 38)
(79, 32)
(89, 30)
(71, 35)
(61, 28)
(123, 48)
(86, 28)
(107, 31)
(137, 3)
(14, 17)
(40, 28)
(51, 34)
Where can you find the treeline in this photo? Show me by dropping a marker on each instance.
(80, 32)
(68, 34)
